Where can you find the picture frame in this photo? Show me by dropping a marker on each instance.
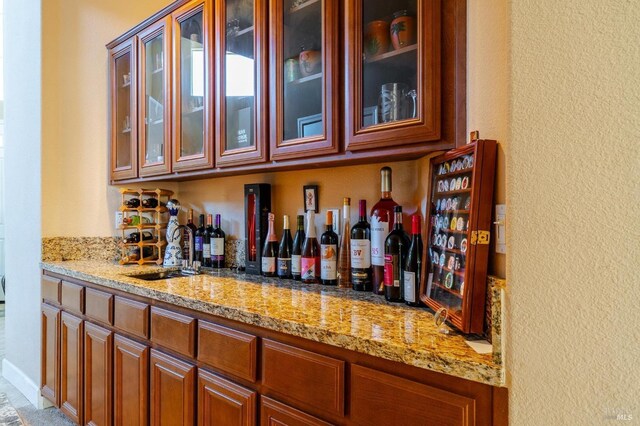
(310, 198)
(310, 125)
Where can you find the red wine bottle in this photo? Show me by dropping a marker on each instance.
(381, 224)
(310, 261)
(217, 245)
(361, 251)
(395, 252)
(296, 252)
(185, 238)
(413, 265)
(284, 251)
(199, 239)
(329, 251)
(206, 242)
(270, 250)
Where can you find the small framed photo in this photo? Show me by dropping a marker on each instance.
(310, 193)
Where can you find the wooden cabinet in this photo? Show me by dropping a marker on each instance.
(221, 402)
(71, 367)
(172, 390)
(392, 58)
(98, 375)
(241, 76)
(130, 382)
(173, 331)
(274, 413)
(50, 369)
(304, 86)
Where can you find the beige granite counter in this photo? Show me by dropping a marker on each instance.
(344, 318)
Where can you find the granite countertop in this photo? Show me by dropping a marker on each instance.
(361, 322)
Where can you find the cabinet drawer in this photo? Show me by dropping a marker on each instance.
(229, 350)
(73, 297)
(404, 402)
(273, 412)
(131, 316)
(173, 331)
(50, 289)
(98, 305)
(311, 380)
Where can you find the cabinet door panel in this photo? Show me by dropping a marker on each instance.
(73, 297)
(98, 367)
(50, 376)
(274, 413)
(71, 367)
(50, 288)
(130, 382)
(229, 350)
(192, 88)
(172, 391)
(304, 80)
(172, 330)
(221, 402)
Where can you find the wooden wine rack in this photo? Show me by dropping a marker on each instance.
(157, 226)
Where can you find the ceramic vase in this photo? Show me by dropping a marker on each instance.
(173, 252)
(310, 62)
(403, 30)
(376, 38)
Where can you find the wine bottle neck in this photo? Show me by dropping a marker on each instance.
(272, 233)
(386, 195)
(397, 220)
(311, 227)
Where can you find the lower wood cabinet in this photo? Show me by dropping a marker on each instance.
(50, 372)
(98, 375)
(274, 413)
(172, 390)
(222, 402)
(130, 382)
(71, 367)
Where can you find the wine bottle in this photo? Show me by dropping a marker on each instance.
(413, 265)
(206, 242)
(200, 239)
(381, 223)
(361, 251)
(150, 203)
(132, 203)
(217, 245)
(310, 261)
(284, 251)
(270, 250)
(296, 251)
(329, 253)
(185, 238)
(395, 252)
(344, 256)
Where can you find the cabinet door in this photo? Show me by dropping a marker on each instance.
(98, 368)
(304, 82)
(71, 367)
(50, 385)
(124, 140)
(192, 86)
(392, 60)
(221, 402)
(130, 382)
(241, 81)
(274, 413)
(155, 99)
(172, 391)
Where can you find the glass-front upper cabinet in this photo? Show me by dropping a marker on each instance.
(304, 84)
(193, 140)
(393, 72)
(124, 164)
(154, 99)
(241, 77)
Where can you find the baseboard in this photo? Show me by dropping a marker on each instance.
(24, 384)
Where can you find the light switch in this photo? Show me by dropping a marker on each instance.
(119, 219)
(500, 223)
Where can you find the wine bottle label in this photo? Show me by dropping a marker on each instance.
(284, 267)
(379, 232)
(391, 270)
(329, 262)
(296, 260)
(308, 267)
(360, 254)
(206, 251)
(269, 264)
(409, 286)
(199, 242)
(217, 247)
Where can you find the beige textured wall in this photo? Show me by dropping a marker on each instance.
(572, 179)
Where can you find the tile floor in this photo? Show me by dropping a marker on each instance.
(29, 414)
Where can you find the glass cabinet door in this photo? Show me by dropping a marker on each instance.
(154, 100)
(192, 141)
(241, 81)
(124, 164)
(303, 84)
(393, 63)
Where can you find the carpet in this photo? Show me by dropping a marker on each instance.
(8, 414)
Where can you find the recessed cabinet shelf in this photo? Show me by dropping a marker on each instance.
(242, 32)
(314, 77)
(393, 55)
(305, 7)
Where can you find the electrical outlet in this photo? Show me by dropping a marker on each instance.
(336, 220)
(119, 218)
(500, 223)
